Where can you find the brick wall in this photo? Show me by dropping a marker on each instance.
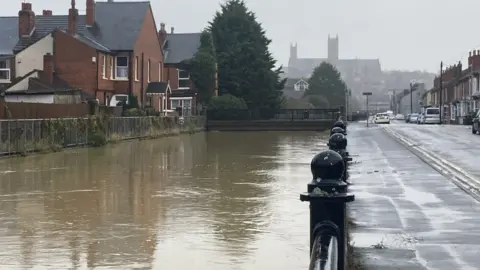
(147, 48)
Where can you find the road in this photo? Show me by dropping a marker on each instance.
(408, 214)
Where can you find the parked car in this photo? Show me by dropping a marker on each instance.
(407, 118)
(399, 117)
(476, 123)
(432, 115)
(382, 118)
(413, 118)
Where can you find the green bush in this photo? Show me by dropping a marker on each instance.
(97, 139)
(227, 102)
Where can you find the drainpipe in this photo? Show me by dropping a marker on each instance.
(142, 80)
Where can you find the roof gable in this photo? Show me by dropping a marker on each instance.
(181, 47)
(158, 88)
(301, 81)
(118, 24)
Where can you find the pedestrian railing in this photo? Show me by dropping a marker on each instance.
(327, 194)
(31, 135)
(271, 114)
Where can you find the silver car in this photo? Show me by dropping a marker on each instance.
(413, 118)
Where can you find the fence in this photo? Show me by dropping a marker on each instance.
(19, 110)
(36, 135)
(269, 114)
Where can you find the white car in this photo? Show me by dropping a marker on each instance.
(399, 117)
(382, 118)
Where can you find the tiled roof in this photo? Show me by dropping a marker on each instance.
(157, 88)
(8, 34)
(117, 25)
(180, 47)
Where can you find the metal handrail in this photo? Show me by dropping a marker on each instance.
(325, 250)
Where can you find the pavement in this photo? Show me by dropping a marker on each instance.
(409, 214)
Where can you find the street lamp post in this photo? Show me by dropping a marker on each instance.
(367, 94)
(441, 92)
(411, 98)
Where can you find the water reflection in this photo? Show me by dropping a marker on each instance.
(218, 200)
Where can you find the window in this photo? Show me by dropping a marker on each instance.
(121, 69)
(137, 69)
(4, 71)
(183, 79)
(175, 104)
(104, 66)
(111, 66)
(148, 71)
(149, 101)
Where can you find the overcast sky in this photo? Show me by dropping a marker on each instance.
(407, 34)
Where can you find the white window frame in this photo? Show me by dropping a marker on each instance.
(149, 64)
(123, 78)
(181, 99)
(104, 66)
(111, 67)
(7, 70)
(183, 79)
(136, 69)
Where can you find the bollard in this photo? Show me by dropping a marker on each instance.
(338, 143)
(338, 130)
(340, 124)
(328, 196)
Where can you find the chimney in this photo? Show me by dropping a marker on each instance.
(26, 20)
(162, 34)
(72, 19)
(48, 68)
(47, 12)
(171, 30)
(90, 16)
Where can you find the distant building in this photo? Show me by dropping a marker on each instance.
(411, 99)
(360, 75)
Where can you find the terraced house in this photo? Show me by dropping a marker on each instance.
(179, 47)
(112, 49)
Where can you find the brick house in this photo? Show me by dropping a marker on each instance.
(112, 49)
(178, 48)
(450, 78)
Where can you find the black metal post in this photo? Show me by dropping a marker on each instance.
(411, 98)
(328, 196)
(441, 92)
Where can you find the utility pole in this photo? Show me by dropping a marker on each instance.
(367, 94)
(441, 92)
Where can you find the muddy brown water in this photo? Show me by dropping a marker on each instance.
(206, 201)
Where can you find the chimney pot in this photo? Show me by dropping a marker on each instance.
(90, 13)
(162, 34)
(72, 19)
(26, 20)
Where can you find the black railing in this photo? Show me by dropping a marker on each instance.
(270, 114)
(327, 194)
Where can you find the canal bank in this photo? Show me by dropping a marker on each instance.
(21, 137)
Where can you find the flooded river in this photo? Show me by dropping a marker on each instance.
(206, 201)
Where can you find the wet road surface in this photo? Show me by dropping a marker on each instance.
(408, 215)
(206, 201)
(455, 143)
